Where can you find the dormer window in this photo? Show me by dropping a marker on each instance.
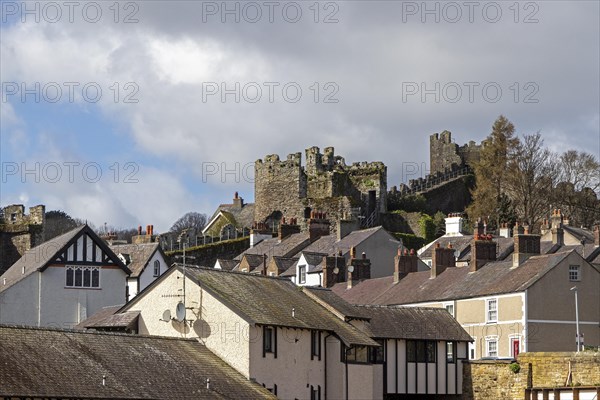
(302, 274)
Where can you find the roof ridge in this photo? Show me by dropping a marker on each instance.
(211, 269)
(92, 332)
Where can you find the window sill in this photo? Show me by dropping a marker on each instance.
(85, 288)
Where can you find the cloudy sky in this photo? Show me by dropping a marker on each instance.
(135, 112)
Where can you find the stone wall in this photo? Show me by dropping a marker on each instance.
(485, 380)
(19, 232)
(552, 369)
(206, 255)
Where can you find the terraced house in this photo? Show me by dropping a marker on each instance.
(520, 304)
(304, 343)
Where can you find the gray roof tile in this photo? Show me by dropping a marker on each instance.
(45, 363)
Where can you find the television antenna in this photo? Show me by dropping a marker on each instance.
(180, 311)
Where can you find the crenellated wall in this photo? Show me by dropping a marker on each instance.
(286, 188)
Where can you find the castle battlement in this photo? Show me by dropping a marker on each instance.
(325, 182)
(446, 156)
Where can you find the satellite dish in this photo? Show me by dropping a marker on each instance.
(180, 312)
(166, 315)
(351, 268)
(336, 270)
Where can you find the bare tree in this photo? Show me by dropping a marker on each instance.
(189, 220)
(578, 188)
(532, 175)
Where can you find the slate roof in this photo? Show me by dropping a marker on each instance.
(244, 217)
(341, 306)
(108, 318)
(580, 233)
(460, 243)
(288, 247)
(100, 315)
(139, 255)
(330, 245)
(505, 247)
(269, 301)
(396, 322)
(227, 265)
(46, 363)
(39, 257)
(454, 283)
(284, 263)
(313, 260)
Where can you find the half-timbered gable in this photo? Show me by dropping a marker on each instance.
(62, 281)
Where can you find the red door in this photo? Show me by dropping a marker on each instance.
(515, 347)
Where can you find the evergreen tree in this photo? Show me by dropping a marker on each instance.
(491, 173)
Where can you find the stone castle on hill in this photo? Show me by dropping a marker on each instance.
(286, 188)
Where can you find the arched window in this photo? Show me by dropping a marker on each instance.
(228, 232)
(156, 268)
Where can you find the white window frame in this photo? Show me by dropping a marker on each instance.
(472, 346)
(83, 268)
(446, 305)
(575, 269)
(488, 310)
(302, 273)
(489, 340)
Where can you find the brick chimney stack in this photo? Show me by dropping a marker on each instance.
(405, 263)
(483, 250)
(287, 229)
(238, 202)
(318, 225)
(525, 247)
(334, 268)
(442, 258)
(558, 233)
(361, 267)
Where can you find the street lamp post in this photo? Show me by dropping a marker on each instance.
(578, 340)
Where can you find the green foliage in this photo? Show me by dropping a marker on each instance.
(491, 170)
(409, 240)
(428, 228)
(514, 367)
(439, 219)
